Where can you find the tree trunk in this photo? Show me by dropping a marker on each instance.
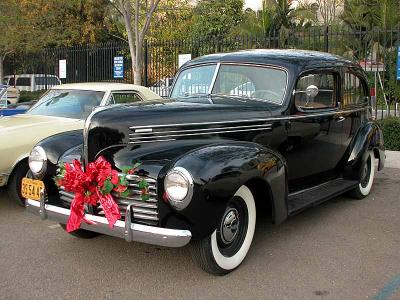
(131, 41)
(138, 43)
(138, 63)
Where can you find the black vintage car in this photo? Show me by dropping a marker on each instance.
(273, 131)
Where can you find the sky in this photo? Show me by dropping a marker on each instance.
(253, 4)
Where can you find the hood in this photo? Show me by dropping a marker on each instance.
(119, 125)
(13, 124)
(20, 133)
(168, 112)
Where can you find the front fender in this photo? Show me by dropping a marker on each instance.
(368, 138)
(218, 172)
(57, 145)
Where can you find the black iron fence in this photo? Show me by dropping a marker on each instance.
(376, 50)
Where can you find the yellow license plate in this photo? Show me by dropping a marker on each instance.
(31, 188)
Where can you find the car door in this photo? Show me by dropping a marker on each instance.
(314, 130)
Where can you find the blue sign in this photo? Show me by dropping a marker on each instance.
(398, 63)
(118, 67)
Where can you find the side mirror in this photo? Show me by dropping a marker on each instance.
(312, 91)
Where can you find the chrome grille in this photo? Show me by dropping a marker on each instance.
(143, 211)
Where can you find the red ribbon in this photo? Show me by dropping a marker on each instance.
(88, 187)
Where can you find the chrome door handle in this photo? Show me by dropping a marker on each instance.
(340, 119)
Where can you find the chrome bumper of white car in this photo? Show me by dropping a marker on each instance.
(122, 229)
(3, 179)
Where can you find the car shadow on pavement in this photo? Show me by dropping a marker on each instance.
(335, 249)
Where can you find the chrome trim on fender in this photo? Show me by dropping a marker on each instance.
(154, 133)
(173, 136)
(125, 230)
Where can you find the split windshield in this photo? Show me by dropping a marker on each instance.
(246, 83)
(75, 104)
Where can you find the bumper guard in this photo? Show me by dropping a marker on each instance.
(126, 230)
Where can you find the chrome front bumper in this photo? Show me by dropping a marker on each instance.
(126, 230)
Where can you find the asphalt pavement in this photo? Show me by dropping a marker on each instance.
(342, 249)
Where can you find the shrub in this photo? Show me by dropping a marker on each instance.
(25, 96)
(391, 132)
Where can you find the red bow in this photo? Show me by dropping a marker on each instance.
(91, 186)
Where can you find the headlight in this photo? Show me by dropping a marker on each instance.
(178, 186)
(38, 161)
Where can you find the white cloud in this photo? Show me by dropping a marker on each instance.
(253, 4)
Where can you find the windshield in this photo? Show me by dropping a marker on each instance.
(75, 104)
(247, 82)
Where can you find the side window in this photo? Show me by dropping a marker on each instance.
(124, 97)
(316, 91)
(353, 90)
(23, 81)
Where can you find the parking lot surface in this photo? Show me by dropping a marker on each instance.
(342, 249)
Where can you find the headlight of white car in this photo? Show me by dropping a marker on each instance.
(178, 186)
(38, 161)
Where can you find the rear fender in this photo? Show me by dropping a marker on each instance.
(368, 138)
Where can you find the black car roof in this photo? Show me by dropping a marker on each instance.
(303, 59)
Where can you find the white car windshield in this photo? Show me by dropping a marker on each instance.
(75, 104)
(253, 84)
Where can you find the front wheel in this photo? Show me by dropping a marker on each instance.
(225, 249)
(14, 184)
(367, 178)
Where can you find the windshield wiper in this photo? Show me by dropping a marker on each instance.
(234, 97)
(197, 95)
(243, 98)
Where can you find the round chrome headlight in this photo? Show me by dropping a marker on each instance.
(38, 161)
(178, 186)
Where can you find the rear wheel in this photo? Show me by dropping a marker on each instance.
(14, 184)
(225, 249)
(367, 178)
(81, 233)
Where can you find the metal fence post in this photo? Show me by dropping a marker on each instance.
(145, 62)
(326, 39)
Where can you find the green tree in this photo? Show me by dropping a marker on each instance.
(172, 20)
(368, 14)
(30, 25)
(214, 19)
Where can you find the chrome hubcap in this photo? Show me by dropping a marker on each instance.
(365, 171)
(230, 225)
(366, 174)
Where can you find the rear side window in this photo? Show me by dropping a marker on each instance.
(354, 91)
(50, 81)
(125, 97)
(23, 81)
(316, 91)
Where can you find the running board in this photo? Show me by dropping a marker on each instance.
(318, 194)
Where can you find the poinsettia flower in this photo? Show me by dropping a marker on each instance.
(93, 186)
(120, 188)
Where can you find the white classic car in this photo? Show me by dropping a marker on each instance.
(63, 108)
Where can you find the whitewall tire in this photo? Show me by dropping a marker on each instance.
(367, 178)
(226, 248)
